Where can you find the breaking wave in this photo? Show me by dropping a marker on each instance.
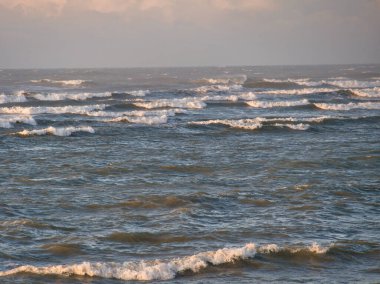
(150, 120)
(237, 80)
(61, 82)
(18, 97)
(348, 106)
(190, 103)
(305, 91)
(139, 93)
(368, 93)
(56, 110)
(164, 269)
(267, 104)
(337, 82)
(217, 89)
(9, 121)
(69, 96)
(59, 131)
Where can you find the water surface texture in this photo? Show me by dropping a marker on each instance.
(187, 175)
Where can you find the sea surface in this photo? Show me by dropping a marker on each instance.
(190, 175)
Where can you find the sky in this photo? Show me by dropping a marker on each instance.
(163, 33)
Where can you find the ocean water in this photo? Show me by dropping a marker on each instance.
(190, 175)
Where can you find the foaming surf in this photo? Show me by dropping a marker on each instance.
(57, 131)
(54, 110)
(191, 103)
(8, 121)
(69, 96)
(146, 270)
(349, 106)
(17, 97)
(61, 82)
(272, 104)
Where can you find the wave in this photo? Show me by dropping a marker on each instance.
(354, 84)
(217, 89)
(8, 121)
(18, 97)
(62, 82)
(164, 270)
(340, 82)
(299, 126)
(150, 120)
(248, 124)
(368, 93)
(69, 96)
(234, 80)
(139, 93)
(55, 110)
(349, 106)
(190, 103)
(305, 91)
(59, 131)
(272, 104)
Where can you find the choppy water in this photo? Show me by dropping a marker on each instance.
(236, 174)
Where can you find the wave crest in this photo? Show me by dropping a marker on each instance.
(59, 131)
(160, 269)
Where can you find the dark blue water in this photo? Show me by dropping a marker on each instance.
(236, 174)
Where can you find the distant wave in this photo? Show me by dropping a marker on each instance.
(166, 269)
(348, 106)
(233, 80)
(18, 97)
(305, 91)
(191, 103)
(61, 82)
(340, 82)
(139, 93)
(69, 96)
(368, 93)
(272, 104)
(56, 110)
(9, 121)
(217, 89)
(59, 131)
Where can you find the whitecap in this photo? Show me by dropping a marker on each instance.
(146, 270)
(56, 110)
(17, 97)
(61, 82)
(9, 121)
(348, 106)
(70, 96)
(272, 104)
(191, 103)
(57, 131)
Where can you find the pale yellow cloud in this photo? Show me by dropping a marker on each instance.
(163, 7)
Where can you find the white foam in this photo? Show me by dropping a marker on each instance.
(217, 89)
(237, 80)
(56, 110)
(69, 96)
(301, 82)
(348, 106)
(18, 97)
(139, 93)
(354, 83)
(137, 113)
(267, 104)
(368, 93)
(150, 120)
(299, 126)
(305, 91)
(59, 131)
(249, 124)
(61, 82)
(191, 103)
(161, 269)
(8, 121)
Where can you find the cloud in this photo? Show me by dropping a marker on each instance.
(163, 7)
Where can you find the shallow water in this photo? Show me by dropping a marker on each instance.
(235, 174)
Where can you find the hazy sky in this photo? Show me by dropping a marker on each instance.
(129, 33)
